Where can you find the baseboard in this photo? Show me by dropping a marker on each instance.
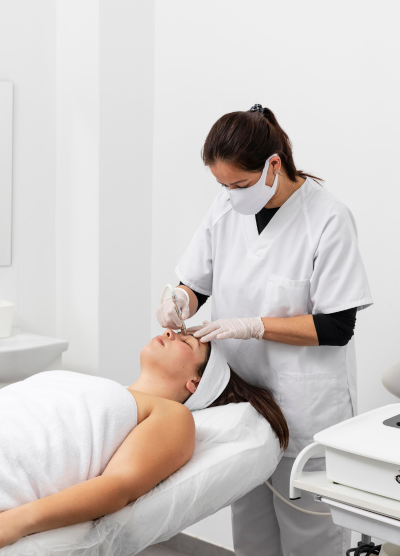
(193, 546)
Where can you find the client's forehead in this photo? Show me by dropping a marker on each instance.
(203, 346)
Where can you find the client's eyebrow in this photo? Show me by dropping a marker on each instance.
(191, 336)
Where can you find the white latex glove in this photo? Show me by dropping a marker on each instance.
(166, 313)
(240, 329)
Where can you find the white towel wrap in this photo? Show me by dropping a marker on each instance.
(58, 429)
(213, 382)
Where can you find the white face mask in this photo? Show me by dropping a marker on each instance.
(250, 200)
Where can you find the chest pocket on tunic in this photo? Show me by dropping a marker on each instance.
(285, 298)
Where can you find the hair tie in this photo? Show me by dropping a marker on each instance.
(256, 108)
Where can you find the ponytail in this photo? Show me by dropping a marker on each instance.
(247, 139)
(238, 390)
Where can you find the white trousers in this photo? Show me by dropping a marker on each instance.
(263, 525)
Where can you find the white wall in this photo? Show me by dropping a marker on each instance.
(104, 170)
(82, 176)
(327, 70)
(28, 59)
(77, 198)
(126, 152)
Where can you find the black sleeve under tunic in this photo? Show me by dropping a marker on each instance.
(334, 329)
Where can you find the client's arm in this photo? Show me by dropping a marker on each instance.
(152, 451)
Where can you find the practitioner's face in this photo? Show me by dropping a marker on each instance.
(173, 358)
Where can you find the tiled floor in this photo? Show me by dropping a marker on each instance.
(156, 550)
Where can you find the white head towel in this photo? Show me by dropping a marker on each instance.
(213, 382)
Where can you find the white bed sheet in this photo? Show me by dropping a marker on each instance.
(236, 450)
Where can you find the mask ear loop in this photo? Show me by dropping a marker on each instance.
(275, 184)
(275, 173)
(265, 171)
(262, 179)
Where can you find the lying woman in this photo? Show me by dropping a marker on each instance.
(75, 447)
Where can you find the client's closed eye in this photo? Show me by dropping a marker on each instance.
(191, 343)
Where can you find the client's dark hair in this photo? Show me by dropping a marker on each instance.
(238, 390)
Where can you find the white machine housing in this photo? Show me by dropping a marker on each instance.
(364, 452)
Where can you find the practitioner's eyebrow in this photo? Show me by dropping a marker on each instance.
(236, 183)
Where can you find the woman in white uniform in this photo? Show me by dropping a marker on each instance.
(279, 255)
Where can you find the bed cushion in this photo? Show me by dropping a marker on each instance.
(236, 450)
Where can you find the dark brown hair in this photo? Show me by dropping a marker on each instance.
(247, 139)
(238, 390)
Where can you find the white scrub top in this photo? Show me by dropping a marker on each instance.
(306, 261)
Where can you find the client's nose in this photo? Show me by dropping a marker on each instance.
(169, 334)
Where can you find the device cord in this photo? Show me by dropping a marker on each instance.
(362, 549)
(293, 505)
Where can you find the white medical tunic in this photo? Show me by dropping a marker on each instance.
(306, 261)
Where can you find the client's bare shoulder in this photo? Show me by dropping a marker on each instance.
(160, 407)
(159, 445)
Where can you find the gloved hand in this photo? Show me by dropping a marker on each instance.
(166, 313)
(221, 329)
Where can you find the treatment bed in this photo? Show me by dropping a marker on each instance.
(236, 450)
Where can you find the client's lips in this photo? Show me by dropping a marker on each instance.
(159, 339)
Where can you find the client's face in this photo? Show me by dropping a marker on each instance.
(173, 358)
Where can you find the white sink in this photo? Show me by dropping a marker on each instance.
(23, 355)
